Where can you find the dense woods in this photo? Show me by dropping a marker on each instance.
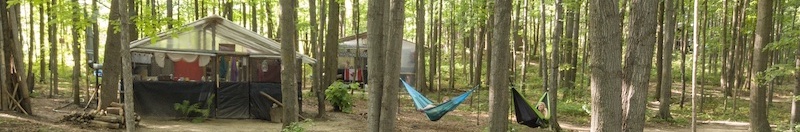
(612, 65)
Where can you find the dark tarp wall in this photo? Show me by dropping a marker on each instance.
(233, 100)
(159, 98)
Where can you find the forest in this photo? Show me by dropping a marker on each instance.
(466, 65)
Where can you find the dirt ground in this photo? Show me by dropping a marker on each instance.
(49, 111)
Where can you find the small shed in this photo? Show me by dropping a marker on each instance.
(212, 62)
(351, 64)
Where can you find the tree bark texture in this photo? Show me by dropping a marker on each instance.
(316, 81)
(76, 55)
(332, 43)
(554, 72)
(420, 45)
(666, 73)
(127, 77)
(375, 62)
(659, 49)
(392, 74)
(111, 65)
(289, 65)
(53, 50)
(638, 63)
(498, 88)
(14, 84)
(605, 34)
(758, 104)
(796, 103)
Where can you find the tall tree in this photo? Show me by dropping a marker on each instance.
(394, 43)
(758, 104)
(796, 103)
(695, 51)
(31, 46)
(4, 95)
(638, 63)
(76, 52)
(724, 54)
(288, 23)
(420, 44)
(254, 13)
(13, 60)
(666, 73)
(659, 49)
(53, 49)
(498, 88)
(42, 62)
(375, 37)
(605, 38)
(111, 65)
(543, 43)
(554, 72)
(317, 48)
(332, 43)
(125, 55)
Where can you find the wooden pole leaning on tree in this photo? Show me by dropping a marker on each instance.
(280, 104)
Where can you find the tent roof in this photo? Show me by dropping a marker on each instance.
(197, 37)
(350, 42)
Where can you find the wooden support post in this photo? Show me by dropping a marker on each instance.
(280, 104)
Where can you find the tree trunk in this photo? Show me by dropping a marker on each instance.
(394, 45)
(695, 52)
(478, 64)
(53, 51)
(555, 74)
(95, 45)
(111, 65)
(127, 77)
(271, 23)
(12, 47)
(375, 62)
(331, 44)
(796, 103)
(42, 62)
(659, 49)
(684, 43)
(638, 62)
(758, 104)
(605, 36)
(498, 91)
(289, 64)
(543, 43)
(76, 56)
(5, 99)
(31, 48)
(420, 45)
(666, 71)
(723, 73)
(316, 82)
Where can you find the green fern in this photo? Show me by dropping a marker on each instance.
(186, 109)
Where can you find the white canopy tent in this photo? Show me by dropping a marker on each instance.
(210, 36)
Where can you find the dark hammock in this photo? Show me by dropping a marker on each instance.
(527, 115)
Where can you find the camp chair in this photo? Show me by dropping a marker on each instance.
(527, 115)
(435, 113)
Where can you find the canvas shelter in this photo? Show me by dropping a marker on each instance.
(350, 65)
(211, 62)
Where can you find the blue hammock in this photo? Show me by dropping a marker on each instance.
(435, 113)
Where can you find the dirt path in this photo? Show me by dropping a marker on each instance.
(408, 120)
(706, 126)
